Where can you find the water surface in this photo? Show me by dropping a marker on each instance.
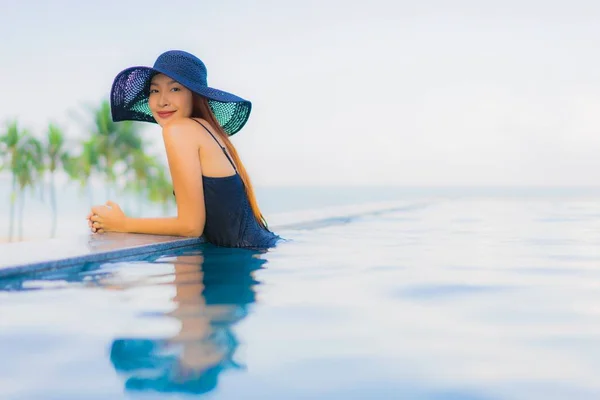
(472, 298)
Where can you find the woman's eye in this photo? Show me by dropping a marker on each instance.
(175, 89)
(153, 91)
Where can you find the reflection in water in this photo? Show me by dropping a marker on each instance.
(213, 289)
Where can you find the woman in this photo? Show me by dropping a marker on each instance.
(213, 192)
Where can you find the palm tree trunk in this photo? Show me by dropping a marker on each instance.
(53, 205)
(90, 192)
(21, 208)
(108, 172)
(13, 200)
(140, 200)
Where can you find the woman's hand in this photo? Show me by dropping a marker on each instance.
(107, 218)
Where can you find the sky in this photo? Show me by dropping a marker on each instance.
(398, 92)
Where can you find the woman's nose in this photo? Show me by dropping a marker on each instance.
(163, 101)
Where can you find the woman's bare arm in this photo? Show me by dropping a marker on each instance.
(182, 146)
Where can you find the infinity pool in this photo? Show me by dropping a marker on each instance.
(489, 298)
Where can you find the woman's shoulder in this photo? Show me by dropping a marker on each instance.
(183, 131)
(183, 127)
(180, 124)
(186, 124)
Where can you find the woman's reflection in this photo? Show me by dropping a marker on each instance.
(213, 291)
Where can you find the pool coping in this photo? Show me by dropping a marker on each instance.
(51, 254)
(48, 255)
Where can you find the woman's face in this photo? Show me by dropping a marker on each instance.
(169, 99)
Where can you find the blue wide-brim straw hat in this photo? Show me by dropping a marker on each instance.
(131, 88)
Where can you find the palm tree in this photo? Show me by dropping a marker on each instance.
(10, 143)
(160, 189)
(57, 157)
(136, 177)
(147, 177)
(108, 150)
(28, 170)
(81, 167)
(115, 150)
(116, 144)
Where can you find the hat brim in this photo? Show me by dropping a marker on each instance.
(130, 91)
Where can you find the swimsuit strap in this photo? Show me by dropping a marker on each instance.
(222, 147)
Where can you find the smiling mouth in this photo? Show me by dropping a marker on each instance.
(165, 114)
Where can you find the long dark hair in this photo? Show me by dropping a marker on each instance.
(202, 110)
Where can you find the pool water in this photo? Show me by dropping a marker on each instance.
(477, 298)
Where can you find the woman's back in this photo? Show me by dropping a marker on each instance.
(230, 221)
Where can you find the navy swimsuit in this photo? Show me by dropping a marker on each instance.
(230, 221)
